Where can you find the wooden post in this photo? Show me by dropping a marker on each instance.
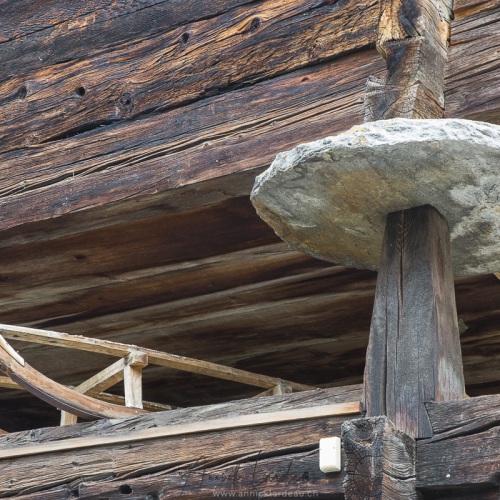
(414, 351)
(380, 460)
(132, 378)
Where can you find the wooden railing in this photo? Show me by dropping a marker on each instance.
(77, 401)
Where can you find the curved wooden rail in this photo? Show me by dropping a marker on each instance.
(56, 394)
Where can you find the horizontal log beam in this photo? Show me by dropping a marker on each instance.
(351, 408)
(294, 475)
(180, 65)
(208, 449)
(463, 453)
(233, 133)
(473, 74)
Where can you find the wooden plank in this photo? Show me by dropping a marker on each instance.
(191, 428)
(414, 293)
(221, 52)
(154, 357)
(380, 460)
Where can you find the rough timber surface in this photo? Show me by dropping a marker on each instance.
(329, 198)
(462, 456)
(177, 65)
(155, 243)
(280, 447)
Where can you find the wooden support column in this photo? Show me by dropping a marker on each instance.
(380, 460)
(414, 354)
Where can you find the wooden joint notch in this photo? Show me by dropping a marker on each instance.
(413, 37)
(413, 87)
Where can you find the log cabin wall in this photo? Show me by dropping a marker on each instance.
(130, 135)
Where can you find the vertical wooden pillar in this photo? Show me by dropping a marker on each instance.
(414, 351)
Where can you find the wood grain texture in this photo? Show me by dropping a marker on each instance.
(380, 460)
(38, 33)
(319, 397)
(206, 450)
(414, 352)
(235, 132)
(167, 70)
(473, 75)
(463, 454)
(413, 38)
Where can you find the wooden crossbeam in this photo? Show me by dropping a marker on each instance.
(155, 357)
(251, 420)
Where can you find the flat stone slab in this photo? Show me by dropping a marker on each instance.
(330, 198)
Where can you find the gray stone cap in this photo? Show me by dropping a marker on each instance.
(330, 198)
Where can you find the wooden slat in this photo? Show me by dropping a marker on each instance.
(192, 428)
(154, 357)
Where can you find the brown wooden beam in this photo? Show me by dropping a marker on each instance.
(178, 65)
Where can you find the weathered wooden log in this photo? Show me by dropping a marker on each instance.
(462, 457)
(413, 355)
(208, 449)
(232, 133)
(380, 460)
(177, 66)
(473, 74)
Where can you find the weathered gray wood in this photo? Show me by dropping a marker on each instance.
(37, 473)
(462, 457)
(462, 461)
(450, 418)
(290, 475)
(380, 460)
(414, 352)
(103, 428)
